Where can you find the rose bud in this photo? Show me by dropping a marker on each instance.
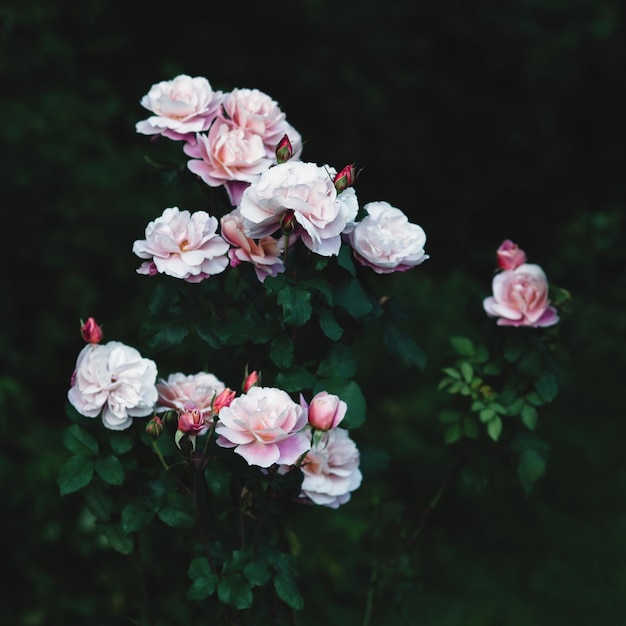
(326, 411)
(284, 150)
(510, 256)
(191, 421)
(345, 178)
(222, 400)
(91, 332)
(288, 223)
(154, 427)
(252, 380)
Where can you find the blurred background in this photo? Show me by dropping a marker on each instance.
(482, 121)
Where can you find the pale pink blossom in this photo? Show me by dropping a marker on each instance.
(115, 380)
(510, 256)
(255, 112)
(326, 411)
(520, 298)
(264, 426)
(306, 192)
(198, 389)
(331, 470)
(182, 107)
(386, 241)
(193, 420)
(264, 254)
(182, 245)
(230, 156)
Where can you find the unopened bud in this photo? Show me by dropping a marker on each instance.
(154, 427)
(510, 256)
(222, 400)
(288, 223)
(345, 178)
(326, 411)
(91, 332)
(284, 150)
(252, 380)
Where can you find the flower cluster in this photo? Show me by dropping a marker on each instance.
(520, 291)
(242, 141)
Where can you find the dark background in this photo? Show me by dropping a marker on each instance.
(482, 121)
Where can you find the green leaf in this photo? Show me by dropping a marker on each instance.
(281, 351)
(235, 591)
(118, 540)
(206, 331)
(547, 387)
(217, 478)
(351, 394)
(350, 296)
(470, 428)
(287, 591)
(531, 467)
(199, 568)
(321, 286)
(121, 443)
(296, 304)
(296, 379)
(467, 371)
(403, 346)
(163, 332)
(135, 516)
(76, 474)
(328, 324)
(453, 433)
(79, 442)
(98, 503)
(178, 512)
(202, 588)
(492, 369)
(486, 415)
(344, 259)
(494, 428)
(257, 572)
(449, 417)
(340, 363)
(529, 416)
(463, 346)
(110, 470)
(513, 350)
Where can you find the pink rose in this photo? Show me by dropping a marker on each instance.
(520, 298)
(182, 107)
(182, 245)
(193, 421)
(198, 389)
(265, 254)
(326, 411)
(263, 426)
(229, 156)
(386, 241)
(91, 331)
(331, 470)
(305, 191)
(510, 256)
(255, 112)
(114, 379)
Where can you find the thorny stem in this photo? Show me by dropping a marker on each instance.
(377, 569)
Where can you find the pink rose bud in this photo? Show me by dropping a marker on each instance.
(222, 400)
(326, 411)
(154, 427)
(288, 223)
(252, 380)
(510, 256)
(91, 332)
(284, 150)
(345, 178)
(191, 421)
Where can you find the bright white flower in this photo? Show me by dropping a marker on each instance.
(331, 470)
(182, 107)
(116, 380)
(386, 241)
(182, 245)
(306, 191)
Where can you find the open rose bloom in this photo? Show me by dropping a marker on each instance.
(307, 192)
(115, 380)
(386, 241)
(179, 389)
(182, 245)
(264, 426)
(520, 298)
(331, 470)
(182, 107)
